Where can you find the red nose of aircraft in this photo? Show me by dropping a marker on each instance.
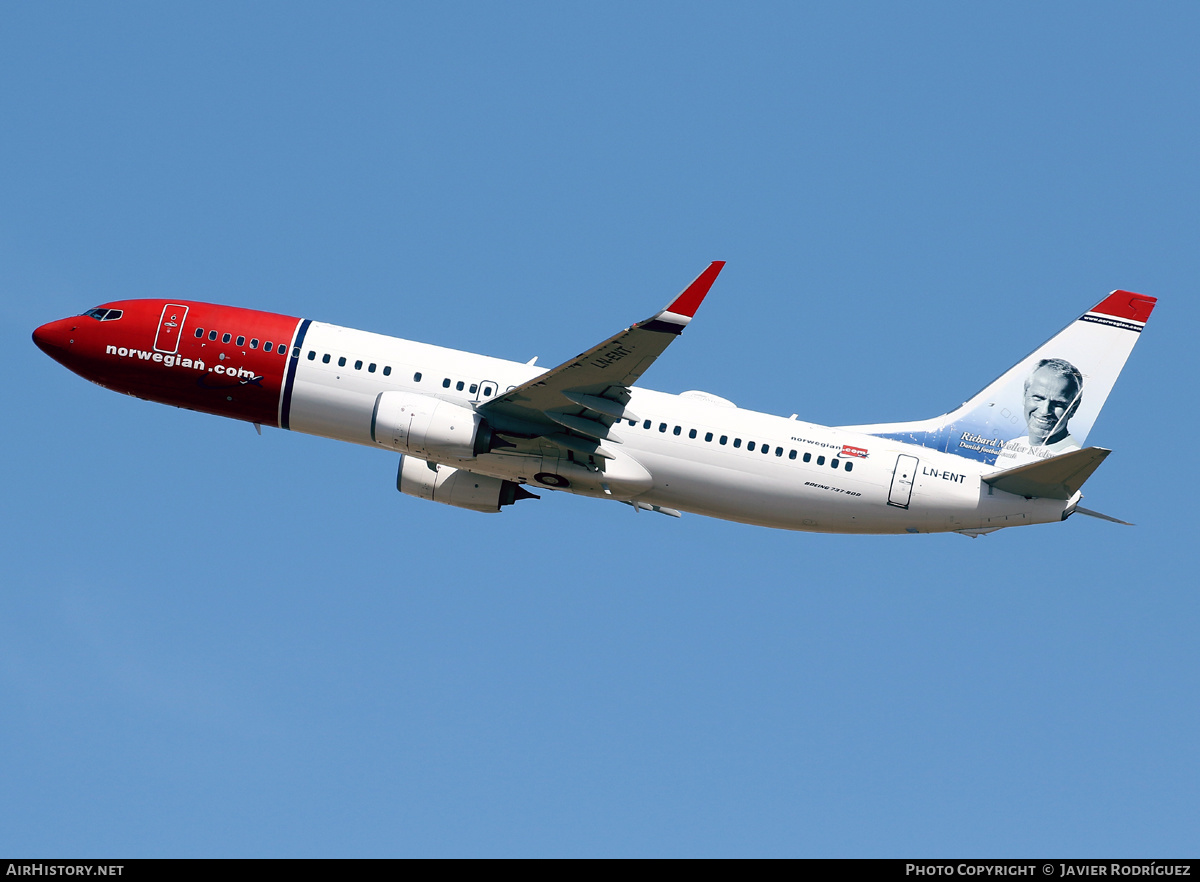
(56, 338)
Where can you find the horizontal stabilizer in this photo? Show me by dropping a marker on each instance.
(1079, 509)
(1059, 477)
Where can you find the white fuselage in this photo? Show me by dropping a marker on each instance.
(803, 482)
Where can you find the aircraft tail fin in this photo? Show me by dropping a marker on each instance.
(1045, 404)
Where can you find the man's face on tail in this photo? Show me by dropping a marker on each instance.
(1050, 401)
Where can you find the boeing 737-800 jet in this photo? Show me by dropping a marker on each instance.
(474, 431)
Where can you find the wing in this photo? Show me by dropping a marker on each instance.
(574, 404)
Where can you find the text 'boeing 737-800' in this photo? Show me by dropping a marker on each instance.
(474, 431)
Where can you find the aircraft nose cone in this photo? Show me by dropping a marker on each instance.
(54, 338)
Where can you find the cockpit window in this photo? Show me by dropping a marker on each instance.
(104, 315)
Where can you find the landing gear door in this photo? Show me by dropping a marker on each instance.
(170, 326)
(902, 481)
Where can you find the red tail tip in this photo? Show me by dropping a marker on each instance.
(1127, 305)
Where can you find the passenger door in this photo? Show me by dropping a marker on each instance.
(902, 481)
(170, 326)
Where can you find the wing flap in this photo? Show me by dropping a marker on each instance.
(582, 425)
(606, 406)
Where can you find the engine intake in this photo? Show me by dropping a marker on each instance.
(428, 427)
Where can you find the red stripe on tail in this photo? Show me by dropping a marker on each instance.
(1126, 305)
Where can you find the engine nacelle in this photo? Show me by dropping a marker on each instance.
(428, 427)
(445, 484)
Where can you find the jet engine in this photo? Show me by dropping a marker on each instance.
(442, 483)
(429, 427)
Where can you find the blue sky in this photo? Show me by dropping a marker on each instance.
(220, 644)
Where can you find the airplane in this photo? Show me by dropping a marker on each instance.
(476, 432)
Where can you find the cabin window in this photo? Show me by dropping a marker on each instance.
(267, 344)
(808, 457)
(750, 445)
(779, 451)
(212, 335)
(312, 355)
(708, 436)
(678, 429)
(253, 342)
(662, 427)
(387, 370)
(646, 424)
(820, 460)
(283, 350)
(241, 341)
(474, 386)
(737, 442)
(724, 438)
(446, 383)
(835, 462)
(791, 453)
(325, 358)
(358, 364)
(459, 385)
(849, 466)
(341, 361)
(691, 433)
(417, 377)
(199, 333)
(371, 368)
(225, 338)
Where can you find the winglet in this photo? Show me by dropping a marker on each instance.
(679, 311)
(686, 304)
